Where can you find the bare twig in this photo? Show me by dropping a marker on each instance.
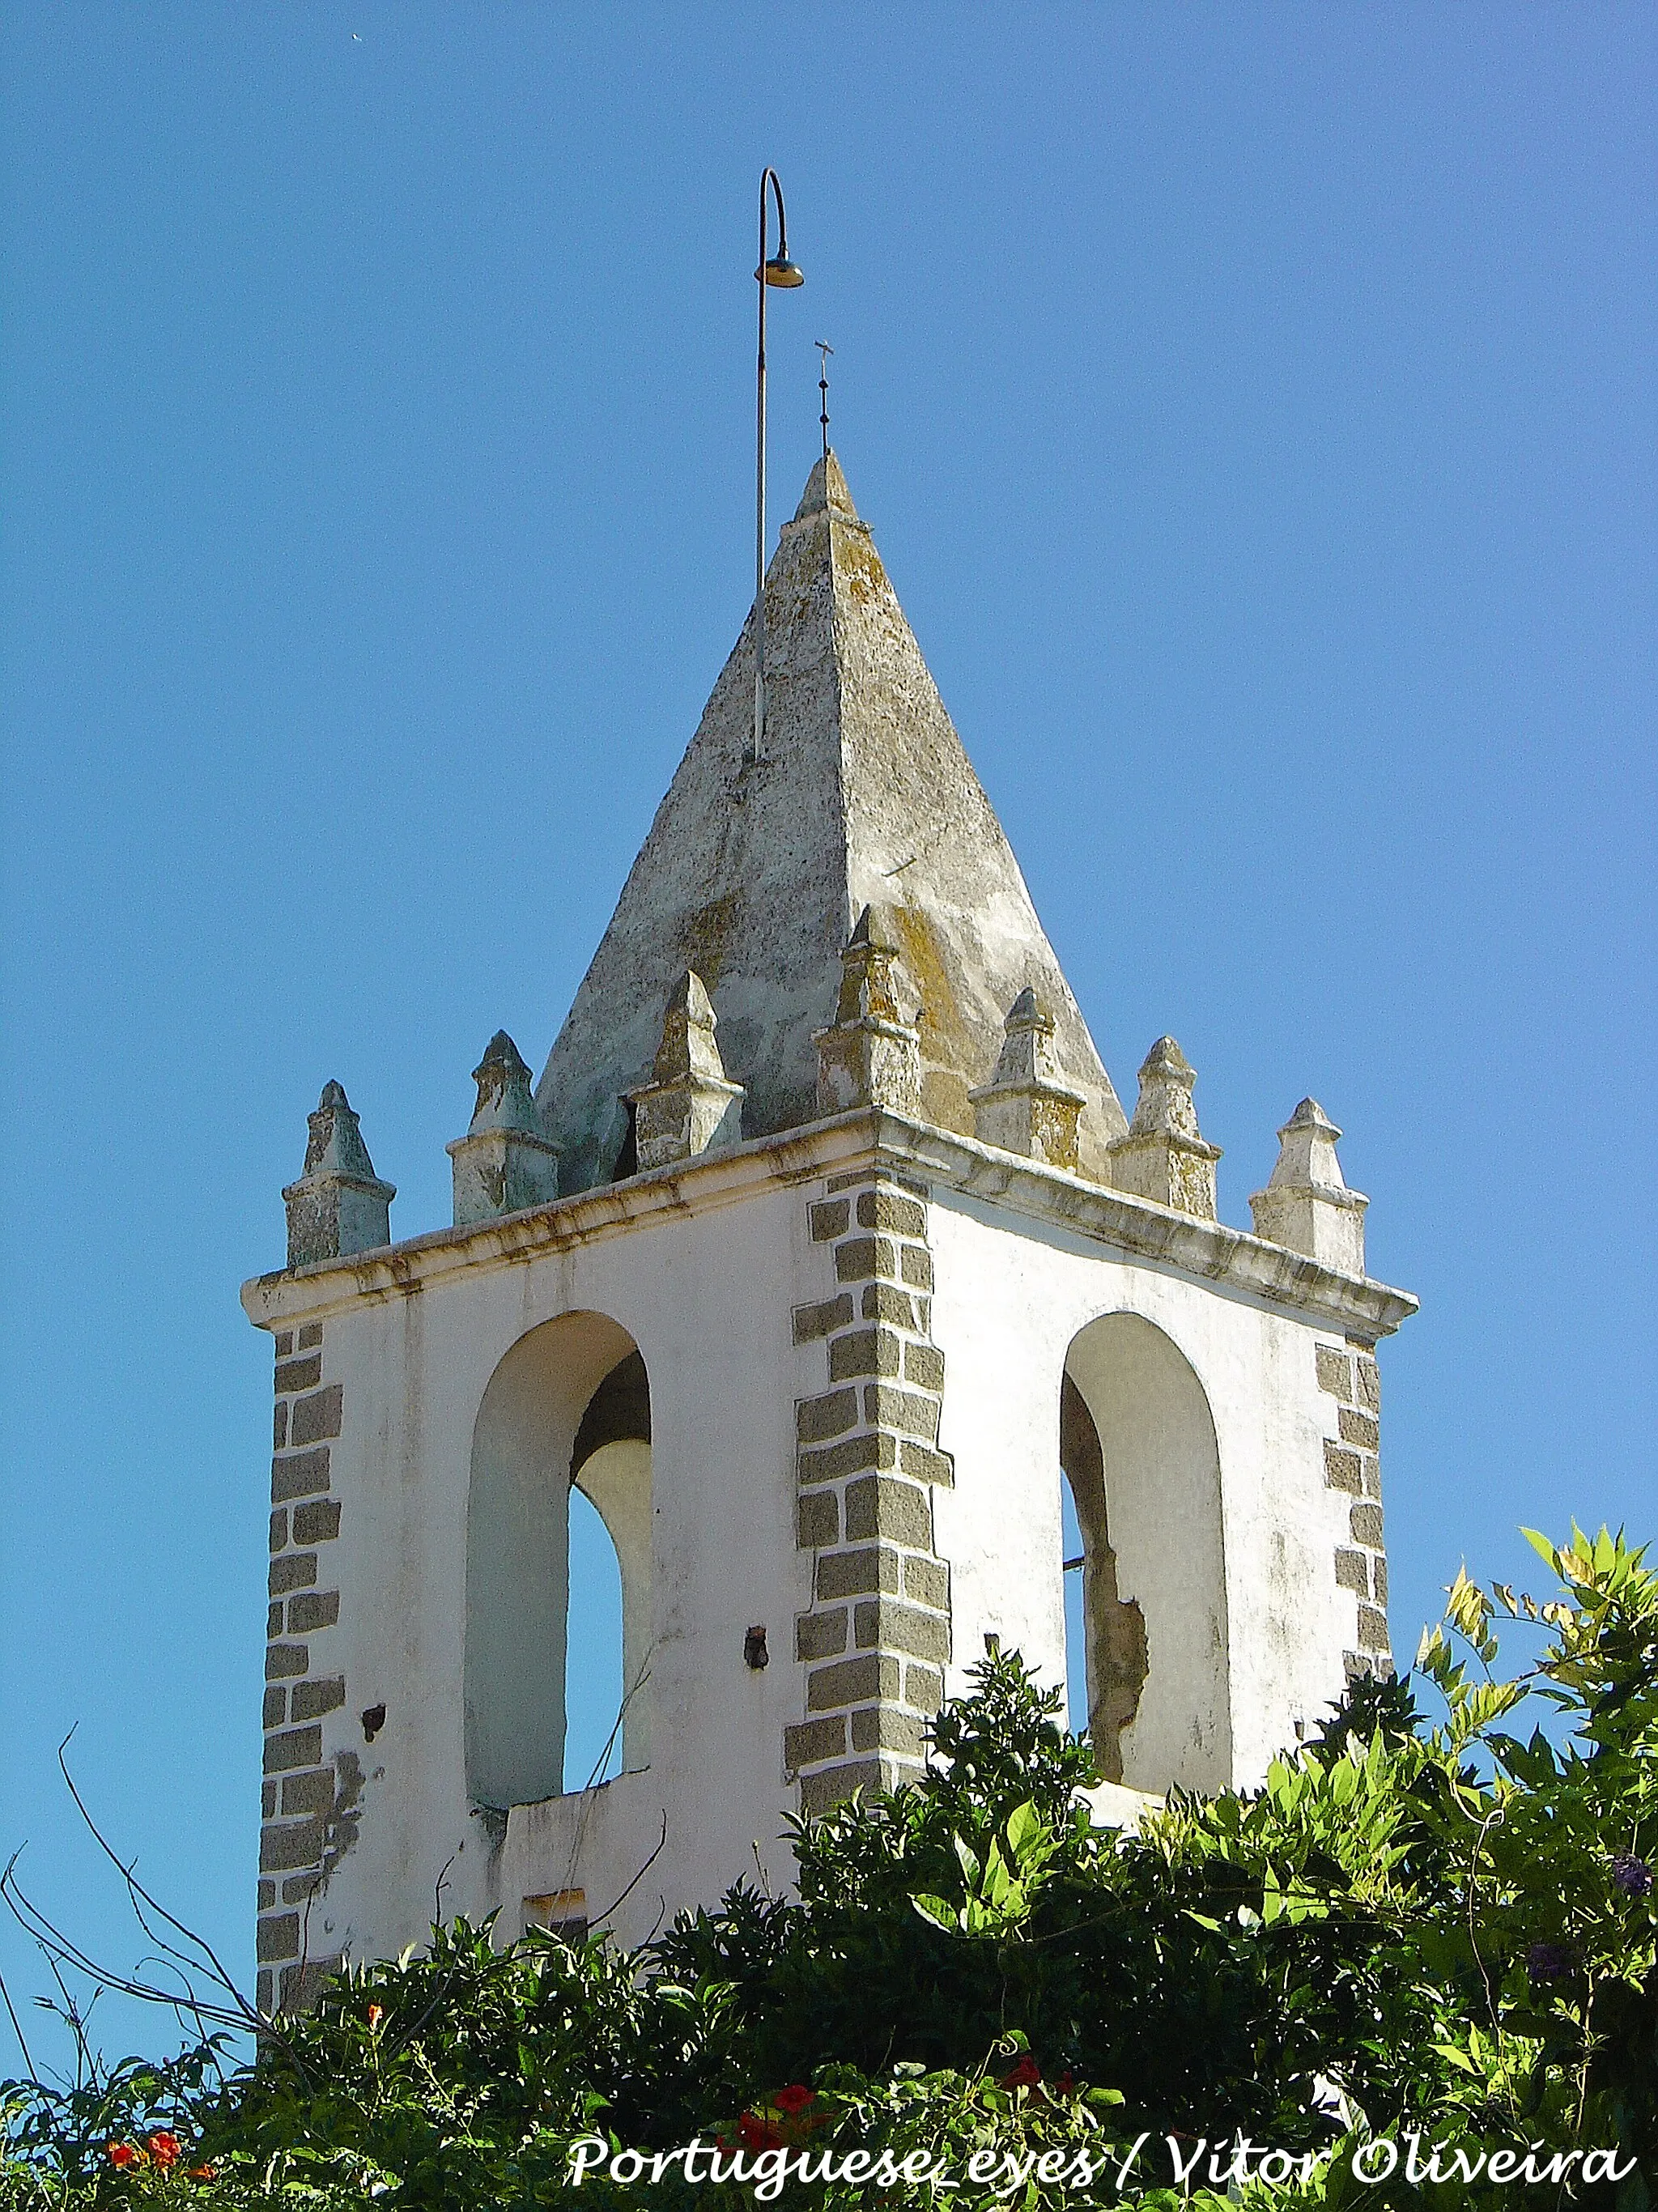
(17, 2029)
(59, 1947)
(83, 2065)
(639, 1877)
(442, 1884)
(216, 1966)
(592, 1783)
(61, 1950)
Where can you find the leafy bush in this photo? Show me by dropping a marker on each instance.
(1441, 1932)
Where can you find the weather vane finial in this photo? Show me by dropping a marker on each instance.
(824, 351)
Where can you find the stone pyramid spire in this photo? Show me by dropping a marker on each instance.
(688, 1106)
(339, 1205)
(755, 873)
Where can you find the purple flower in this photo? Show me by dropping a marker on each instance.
(1551, 1962)
(1631, 1875)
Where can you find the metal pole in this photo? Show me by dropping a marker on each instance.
(782, 271)
(760, 489)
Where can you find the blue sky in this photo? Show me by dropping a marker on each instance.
(1255, 410)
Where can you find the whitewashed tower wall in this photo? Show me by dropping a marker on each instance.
(820, 1247)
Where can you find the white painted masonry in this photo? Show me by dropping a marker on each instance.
(699, 1267)
(808, 1364)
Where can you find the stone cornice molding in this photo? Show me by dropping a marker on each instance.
(883, 1142)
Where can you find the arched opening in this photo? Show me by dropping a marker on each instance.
(569, 1402)
(1105, 1633)
(594, 1674)
(610, 1467)
(1137, 1449)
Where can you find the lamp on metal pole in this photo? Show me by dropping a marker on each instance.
(780, 270)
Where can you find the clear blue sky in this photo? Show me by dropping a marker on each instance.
(1255, 409)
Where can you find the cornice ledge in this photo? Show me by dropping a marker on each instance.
(1356, 1304)
(702, 1184)
(698, 1185)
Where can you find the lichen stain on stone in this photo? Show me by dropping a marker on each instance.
(856, 558)
(945, 1101)
(923, 961)
(948, 1045)
(1056, 1135)
(784, 611)
(706, 937)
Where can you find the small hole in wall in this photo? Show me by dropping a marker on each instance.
(373, 1721)
(754, 1653)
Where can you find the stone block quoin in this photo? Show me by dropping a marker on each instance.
(307, 1815)
(876, 1637)
(1348, 1375)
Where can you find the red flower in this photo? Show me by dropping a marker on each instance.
(1027, 2075)
(756, 2134)
(202, 2172)
(1065, 2087)
(125, 2154)
(792, 2099)
(376, 2014)
(164, 2147)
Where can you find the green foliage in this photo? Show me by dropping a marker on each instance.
(1000, 1892)
(1446, 1933)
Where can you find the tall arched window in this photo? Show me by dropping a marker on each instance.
(567, 1408)
(1137, 1443)
(610, 1467)
(592, 1658)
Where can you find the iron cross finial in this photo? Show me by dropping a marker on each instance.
(824, 351)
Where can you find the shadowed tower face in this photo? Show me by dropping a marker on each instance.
(755, 872)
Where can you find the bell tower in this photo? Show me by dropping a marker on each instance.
(821, 1259)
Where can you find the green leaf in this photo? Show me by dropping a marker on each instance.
(941, 1915)
(1460, 2058)
(1542, 1546)
(1024, 1824)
